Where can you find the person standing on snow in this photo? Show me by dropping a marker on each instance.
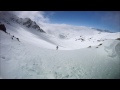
(57, 48)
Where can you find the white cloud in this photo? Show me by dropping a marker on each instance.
(43, 19)
(62, 28)
(37, 16)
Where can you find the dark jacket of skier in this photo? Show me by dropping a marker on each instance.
(57, 48)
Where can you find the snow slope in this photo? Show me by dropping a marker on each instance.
(49, 41)
(35, 56)
(21, 60)
(70, 36)
(67, 37)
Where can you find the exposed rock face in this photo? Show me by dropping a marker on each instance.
(29, 23)
(8, 18)
(2, 27)
(118, 39)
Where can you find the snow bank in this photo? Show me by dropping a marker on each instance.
(22, 60)
(112, 48)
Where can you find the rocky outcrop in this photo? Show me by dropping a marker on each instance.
(8, 18)
(118, 39)
(2, 27)
(29, 23)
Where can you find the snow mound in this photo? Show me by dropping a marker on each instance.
(113, 48)
(117, 49)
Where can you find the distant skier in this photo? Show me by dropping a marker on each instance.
(57, 48)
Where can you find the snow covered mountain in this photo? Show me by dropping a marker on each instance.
(67, 37)
(83, 52)
(8, 18)
(76, 37)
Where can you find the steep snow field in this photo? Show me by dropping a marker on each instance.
(21, 60)
(49, 41)
(67, 37)
(36, 57)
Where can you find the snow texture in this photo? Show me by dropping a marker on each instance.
(36, 57)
